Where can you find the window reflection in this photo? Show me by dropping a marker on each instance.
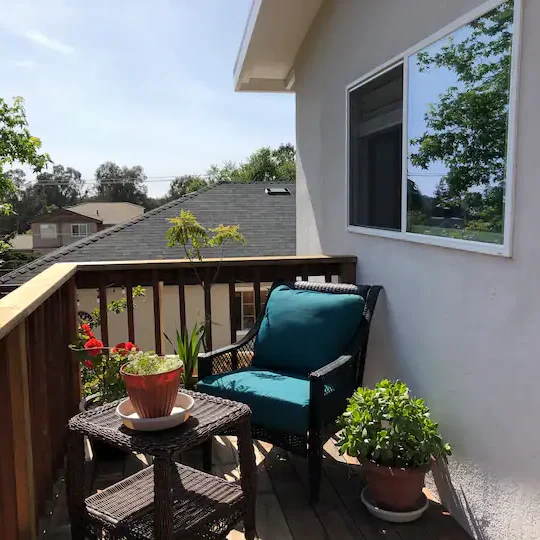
(458, 102)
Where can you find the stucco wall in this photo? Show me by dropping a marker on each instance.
(462, 329)
(63, 237)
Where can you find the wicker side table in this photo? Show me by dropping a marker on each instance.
(167, 500)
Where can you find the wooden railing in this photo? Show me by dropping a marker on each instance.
(40, 380)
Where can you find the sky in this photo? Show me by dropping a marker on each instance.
(137, 82)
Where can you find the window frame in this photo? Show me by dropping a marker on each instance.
(48, 236)
(79, 225)
(504, 249)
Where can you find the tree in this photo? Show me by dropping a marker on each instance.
(121, 184)
(263, 165)
(61, 187)
(17, 145)
(466, 129)
(182, 185)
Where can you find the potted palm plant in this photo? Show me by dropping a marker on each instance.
(395, 440)
(152, 382)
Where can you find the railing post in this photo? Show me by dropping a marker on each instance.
(71, 325)
(347, 272)
(22, 432)
(157, 293)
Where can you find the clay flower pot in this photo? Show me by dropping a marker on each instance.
(392, 488)
(153, 396)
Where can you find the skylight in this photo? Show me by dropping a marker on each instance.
(277, 191)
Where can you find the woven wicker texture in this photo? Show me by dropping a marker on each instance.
(210, 416)
(202, 504)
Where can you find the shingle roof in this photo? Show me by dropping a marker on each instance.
(267, 221)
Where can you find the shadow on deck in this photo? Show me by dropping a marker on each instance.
(282, 509)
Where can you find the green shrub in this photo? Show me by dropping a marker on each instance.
(149, 363)
(389, 427)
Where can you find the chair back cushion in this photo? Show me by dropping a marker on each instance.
(304, 330)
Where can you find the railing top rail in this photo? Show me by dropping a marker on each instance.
(291, 260)
(17, 305)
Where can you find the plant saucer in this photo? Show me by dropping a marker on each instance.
(395, 517)
(179, 414)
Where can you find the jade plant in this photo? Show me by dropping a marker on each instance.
(389, 427)
(149, 363)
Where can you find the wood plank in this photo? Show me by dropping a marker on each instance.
(302, 520)
(17, 305)
(182, 305)
(103, 315)
(22, 432)
(348, 486)
(333, 515)
(328, 277)
(70, 325)
(8, 503)
(347, 272)
(305, 272)
(130, 308)
(157, 290)
(232, 314)
(257, 292)
(208, 314)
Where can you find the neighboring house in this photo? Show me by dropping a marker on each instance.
(267, 220)
(460, 317)
(109, 213)
(22, 243)
(67, 225)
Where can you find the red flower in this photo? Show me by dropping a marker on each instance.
(88, 364)
(123, 349)
(94, 345)
(87, 330)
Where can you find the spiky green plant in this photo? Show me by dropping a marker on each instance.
(187, 347)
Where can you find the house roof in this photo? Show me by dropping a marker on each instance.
(64, 214)
(267, 221)
(110, 213)
(273, 35)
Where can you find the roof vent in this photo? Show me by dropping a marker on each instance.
(277, 191)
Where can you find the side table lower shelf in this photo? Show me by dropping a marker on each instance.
(204, 506)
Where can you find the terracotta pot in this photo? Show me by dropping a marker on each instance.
(392, 488)
(153, 395)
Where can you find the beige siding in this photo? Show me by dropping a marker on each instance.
(460, 328)
(63, 235)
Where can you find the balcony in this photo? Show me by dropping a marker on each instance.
(40, 390)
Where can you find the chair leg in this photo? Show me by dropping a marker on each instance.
(314, 467)
(207, 455)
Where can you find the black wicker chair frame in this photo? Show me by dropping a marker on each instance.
(330, 386)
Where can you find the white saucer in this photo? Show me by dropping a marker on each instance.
(179, 414)
(394, 517)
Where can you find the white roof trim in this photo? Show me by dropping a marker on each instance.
(274, 32)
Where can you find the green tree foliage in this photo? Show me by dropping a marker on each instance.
(264, 165)
(121, 184)
(466, 129)
(182, 185)
(17, 145)
(61, 187)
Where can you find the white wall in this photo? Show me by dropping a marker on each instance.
(462, 329)
(144, 314)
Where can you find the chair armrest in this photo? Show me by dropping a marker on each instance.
(227, 358)
(330, 388)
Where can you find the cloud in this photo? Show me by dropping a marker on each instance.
(44, 41)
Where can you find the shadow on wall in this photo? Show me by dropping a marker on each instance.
(456, 503)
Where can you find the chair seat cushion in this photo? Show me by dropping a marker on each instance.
(305, 330)
(277, 401)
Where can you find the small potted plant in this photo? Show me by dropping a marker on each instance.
(187, 347)
(395, 440)
(152, 382)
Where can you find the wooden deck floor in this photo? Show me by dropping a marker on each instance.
(282, 509)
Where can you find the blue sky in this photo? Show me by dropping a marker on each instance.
(137, 82)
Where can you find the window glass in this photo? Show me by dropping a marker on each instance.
(375, 163)
(79, 229)
(48, 230)
(457, 131)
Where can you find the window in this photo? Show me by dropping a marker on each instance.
(79, 229)
(245, 307)
(430, 137)
(47, 230)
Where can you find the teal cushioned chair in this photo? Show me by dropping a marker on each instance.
(297, 366)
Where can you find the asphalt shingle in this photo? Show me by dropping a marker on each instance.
(267, 221)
